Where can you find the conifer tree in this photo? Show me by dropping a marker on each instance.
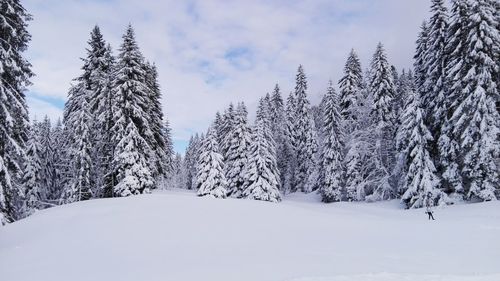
(261, 177)
(15, 72)
(382, 89)
(59, 160)
(130, 121)
(47, 157)
(303, 136)
(210, 178)
(161, 158)
(264, 118)
(169, 147)
(291, 157)
(455, 73)
(89, 99)
(80, 186)
(189, 162)
(238, 152)
(420, 183)
(32, 178)
(278, 129)
(350, 87)
(95, 82)
(319, 122)
(101, 110)
(333, 149)
(475, 121)
(436, 60)
(227, 123)
(197, 150)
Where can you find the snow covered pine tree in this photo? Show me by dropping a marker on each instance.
(333, 149)
(15, 72)
(131, 124)
(210, 179)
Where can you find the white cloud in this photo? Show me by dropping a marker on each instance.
(190, 42)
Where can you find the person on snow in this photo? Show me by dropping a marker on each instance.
(429, 212)
(428, 202)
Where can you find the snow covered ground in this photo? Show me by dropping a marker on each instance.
(174, 235)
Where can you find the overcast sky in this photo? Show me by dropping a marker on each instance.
(210, 53)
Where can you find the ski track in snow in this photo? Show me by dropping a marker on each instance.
(174, 235)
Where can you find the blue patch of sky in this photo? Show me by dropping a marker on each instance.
(57, 102)
(180, 146)
(241, 58)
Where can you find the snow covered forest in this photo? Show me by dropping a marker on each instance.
(428, 136)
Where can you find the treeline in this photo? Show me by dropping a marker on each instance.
(428, 136)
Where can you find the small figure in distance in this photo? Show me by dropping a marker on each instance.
(428, 204)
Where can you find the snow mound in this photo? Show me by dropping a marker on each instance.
(175, 235)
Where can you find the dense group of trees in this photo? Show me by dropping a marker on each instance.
(117, 142)
(113, 139)
(428, 135)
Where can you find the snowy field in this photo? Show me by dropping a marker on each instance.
(174, 235)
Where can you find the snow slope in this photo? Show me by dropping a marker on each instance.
(174, 235)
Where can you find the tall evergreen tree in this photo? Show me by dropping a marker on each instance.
(238, 152)
(475, 121)
(333, 149)
(98, 68)
(47, 157)
(350, 86)
(210, 178)
(382, 89)
(131, 125)
(95, 81)
(190, 162)
(278, 129)
(169, 147)
(261, 182)
(265, 120)
(455, 73)
(80, 186)
(420, 183)
(15, 72)
(59, 160)
(436, 59)
(161, 164)
(32, 178)
(291, 157)
(303, 136)
(89, 99)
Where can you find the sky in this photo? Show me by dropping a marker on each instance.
(213, 52)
